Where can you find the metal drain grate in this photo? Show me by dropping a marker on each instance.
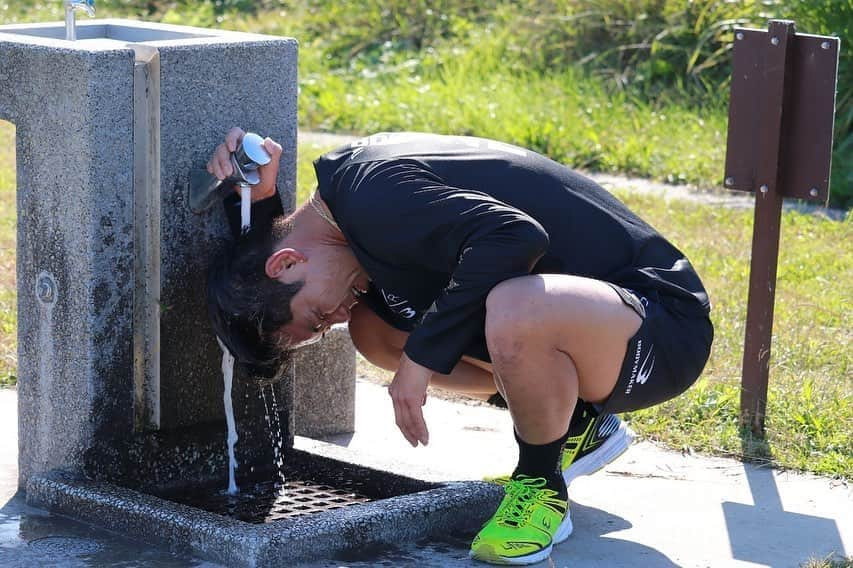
(303, 498)
(269, 501)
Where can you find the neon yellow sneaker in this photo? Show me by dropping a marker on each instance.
(530, 520)
(594, 441)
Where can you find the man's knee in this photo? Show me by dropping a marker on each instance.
(509, 326)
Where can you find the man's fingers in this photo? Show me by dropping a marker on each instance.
(233, 138)
(272, 147)
(399, 414)
(213, 168)
(268, 172)
(418, 427)
(220, 163)
(413, 423)
(222, 160)
(410, 433)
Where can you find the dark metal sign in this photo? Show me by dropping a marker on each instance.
(795, 79)
(781, 115)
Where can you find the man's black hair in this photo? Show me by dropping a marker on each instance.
(248, 308)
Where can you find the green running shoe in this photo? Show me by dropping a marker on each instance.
(594, 441)
(530, 520)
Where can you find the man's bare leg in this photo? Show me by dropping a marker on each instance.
(552, 339)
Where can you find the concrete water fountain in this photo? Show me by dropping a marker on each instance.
(120, 388)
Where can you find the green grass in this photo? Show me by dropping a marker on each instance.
(810, 401)
(8, 293)
(832, 561)
(569, 117)
(639, 86)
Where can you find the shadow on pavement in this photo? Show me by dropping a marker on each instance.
(587, 546)
(765, 532)
(593, 546)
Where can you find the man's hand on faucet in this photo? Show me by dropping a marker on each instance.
(220, 166)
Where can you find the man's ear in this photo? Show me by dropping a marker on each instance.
(282, 260)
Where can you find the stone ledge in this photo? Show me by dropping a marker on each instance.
(450, 508)
(324, 386)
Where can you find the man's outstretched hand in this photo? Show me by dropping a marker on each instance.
(408, 392)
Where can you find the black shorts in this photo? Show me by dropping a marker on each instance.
(664, 357)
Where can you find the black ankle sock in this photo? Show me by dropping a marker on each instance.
(577, 415)
(542, 460)
(583, 413)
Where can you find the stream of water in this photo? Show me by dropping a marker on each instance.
(228, 376)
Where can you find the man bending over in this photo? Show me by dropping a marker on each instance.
(485, 268)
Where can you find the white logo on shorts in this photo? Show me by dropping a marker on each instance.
(640, 373)
(645, 372)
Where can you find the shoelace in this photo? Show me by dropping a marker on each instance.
(521, 493)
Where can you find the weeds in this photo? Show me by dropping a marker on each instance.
(831, 561)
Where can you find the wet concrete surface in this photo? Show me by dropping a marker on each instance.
(33, 538)
(30, 537)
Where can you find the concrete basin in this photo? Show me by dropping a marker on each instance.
(95, 32)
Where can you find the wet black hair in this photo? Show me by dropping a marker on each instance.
(248, 308)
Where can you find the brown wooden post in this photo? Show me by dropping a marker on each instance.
(765, 232)
(781, 115)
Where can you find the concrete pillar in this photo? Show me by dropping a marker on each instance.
(115, 351)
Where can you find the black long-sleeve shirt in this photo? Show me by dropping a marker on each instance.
(438, 221)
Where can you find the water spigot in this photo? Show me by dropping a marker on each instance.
(205, 189)
(71, 6)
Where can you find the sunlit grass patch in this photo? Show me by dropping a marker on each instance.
(831, 561)
(566, 116)
(8, 291)
(810, 399)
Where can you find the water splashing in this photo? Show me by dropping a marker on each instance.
(228, 376)
(274, 425)
(279, 439)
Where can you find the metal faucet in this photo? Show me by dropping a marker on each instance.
(72, 6)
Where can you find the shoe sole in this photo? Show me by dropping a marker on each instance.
(615, 445)
(487, 554)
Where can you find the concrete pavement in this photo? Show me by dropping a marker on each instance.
(651, 508)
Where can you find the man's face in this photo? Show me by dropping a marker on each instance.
(328, 293)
